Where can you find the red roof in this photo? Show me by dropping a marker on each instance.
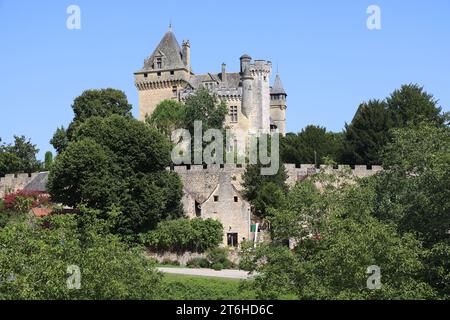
(41, 212)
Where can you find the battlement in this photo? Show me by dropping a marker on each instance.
(260, 67)
(295, 172)
(23, 181)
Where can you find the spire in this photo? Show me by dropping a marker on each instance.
(278, 86)
(168, 51)
(170, 26)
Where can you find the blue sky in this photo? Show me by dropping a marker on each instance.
(328, 60)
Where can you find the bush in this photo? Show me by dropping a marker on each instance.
(38, 258)
(218, 258)
(23, 200)
(202, 263)
(170, 262)
(182, 235)
(217, 266)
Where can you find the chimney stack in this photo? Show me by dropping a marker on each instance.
(187, 54)
(224, 72)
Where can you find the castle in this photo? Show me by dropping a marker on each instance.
(253, 105)
(212, 191)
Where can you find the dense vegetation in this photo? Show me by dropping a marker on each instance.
(114, 163)
(112, 168)
(398, 220)
(195, 235)
(364, 138)
(19, 157)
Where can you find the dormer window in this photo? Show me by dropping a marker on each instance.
(159, 63)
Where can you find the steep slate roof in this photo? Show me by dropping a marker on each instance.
(233, 79)
(39, 183)
(277, 86)
(170, 49)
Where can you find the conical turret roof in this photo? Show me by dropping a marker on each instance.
(278, 86)
(170, 49)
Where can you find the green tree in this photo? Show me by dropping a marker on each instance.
(312, 145)
(121, 162)
(270, 196)
(413, 193)
(205, 107)
(34, 262)
(253, 181)
(182, 235)
(367, 134)
(19, 157)
(168, 116)
(411, 104)
(101, 103)
(48, 160)
(92, 103)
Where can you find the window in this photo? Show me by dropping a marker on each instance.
(145, 75)
(198, 209)
(159, 74)
(174, 91)
(216, 198)
(172, 73)
(236, 199)
(232, 239)
(159, 63)
(233, 114)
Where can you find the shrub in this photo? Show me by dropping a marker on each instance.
(217, 266)
(218, 258)
(198, 263)
(184, 235)
(23, 200)
(170, 262)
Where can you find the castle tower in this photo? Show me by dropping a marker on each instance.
(247, 93)
(278, 106)
(261, 70)
(164, 74)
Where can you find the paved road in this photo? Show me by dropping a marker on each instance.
(230, 274)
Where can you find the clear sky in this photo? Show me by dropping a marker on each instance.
(328, 59)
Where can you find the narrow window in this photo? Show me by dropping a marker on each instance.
(233, 114)
(232, 239)
(198, 209)
(216, 198)
(174, 91)
(236, 199)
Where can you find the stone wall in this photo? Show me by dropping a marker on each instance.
(184, 258)
(201, 179)
(23, 181)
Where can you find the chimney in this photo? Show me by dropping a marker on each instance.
(224, 72)
(187, 54)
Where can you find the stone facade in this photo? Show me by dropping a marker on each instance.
(213, 191)
(24, 181)
(254, 106)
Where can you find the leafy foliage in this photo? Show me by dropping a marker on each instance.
(367, 134)
(168, 116)
(91, 103)
(182, 235)
(312, 145)
(34, 262)
(397, 220)
(19, 157)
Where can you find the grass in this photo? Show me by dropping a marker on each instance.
(181, 287)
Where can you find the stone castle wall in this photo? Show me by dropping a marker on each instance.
(23, 181)
(199, 179)
(202, 178)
